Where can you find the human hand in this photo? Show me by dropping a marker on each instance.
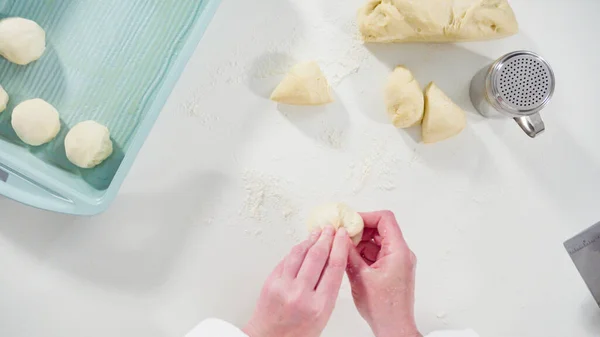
(382, 274)
(299, 296)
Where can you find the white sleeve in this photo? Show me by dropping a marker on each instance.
(454, 333)
(213, 327)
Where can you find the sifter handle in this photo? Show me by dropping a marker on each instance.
(533, 125)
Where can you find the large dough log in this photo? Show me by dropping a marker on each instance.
(388, 21)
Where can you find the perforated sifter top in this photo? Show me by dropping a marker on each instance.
(522, 83)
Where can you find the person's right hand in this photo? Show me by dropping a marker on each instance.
(382, 274)
(298, 298)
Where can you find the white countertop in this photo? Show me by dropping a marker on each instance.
(221, 188)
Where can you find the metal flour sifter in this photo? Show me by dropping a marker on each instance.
(518, 85)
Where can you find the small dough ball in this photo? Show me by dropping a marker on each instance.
(305, 84)
(387, 21)
(22, 41)
(3, 99)
(404, 98)
(88, 144)
(35, 121)
(337, 215)
(443, 118)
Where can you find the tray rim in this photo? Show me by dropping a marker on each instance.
(83, 208)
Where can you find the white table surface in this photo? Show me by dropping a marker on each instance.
(221, 189)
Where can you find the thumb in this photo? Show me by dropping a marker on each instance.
(356, 264)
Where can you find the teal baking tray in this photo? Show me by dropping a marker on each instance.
(112, 61)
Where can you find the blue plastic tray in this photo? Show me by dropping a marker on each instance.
(113, 61)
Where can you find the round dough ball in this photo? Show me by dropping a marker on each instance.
(88, 144)
(3, 99)
(337, 215)
(35, 121)
(22, 41)
(404, 99)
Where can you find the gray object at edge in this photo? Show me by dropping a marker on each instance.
(584, 250)
(518, 85)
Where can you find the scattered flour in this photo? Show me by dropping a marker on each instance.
(381, 166)
(351, 59)
(340, 54)
(333, 137)
(265, 197)
(193, 109)
(269, 204)
(327, 37)
(272, 64)
(361, 173)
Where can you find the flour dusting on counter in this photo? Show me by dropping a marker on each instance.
(330, 39)
(192, 108)
(379, 166)
(333, 137)
(266, 194)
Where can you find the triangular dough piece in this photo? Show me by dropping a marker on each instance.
(387, 21)
(404, 98)
(305, 84)
(443, 118)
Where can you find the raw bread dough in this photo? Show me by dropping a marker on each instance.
(88, 144)
(337, 215)
(404, 98)
(22, 41)
(443, 118)
(436, 20)
(3, 99)
(35, 121)
(305, 84)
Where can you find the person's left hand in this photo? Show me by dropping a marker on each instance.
(299, 296)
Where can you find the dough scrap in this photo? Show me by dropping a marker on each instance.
(88, 144)
(388, 21)
(404, 98)
(305, 84)
(3, 99)
(337, 215)
(22, 41)
(35, 121)
(443, 118)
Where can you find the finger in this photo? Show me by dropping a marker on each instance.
(369, 233)
(388, 229)
(315, 260)
(294, 260)
(331, 280)
(383, 221)
(369, 251)
(355, 262)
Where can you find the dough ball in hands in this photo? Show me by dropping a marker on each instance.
(35, 121)
(305, 84)
(404, 98)
(436, 20)
(22, 41)
(88, 144)
(443, 118)
(337, 215)
(3, 99)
